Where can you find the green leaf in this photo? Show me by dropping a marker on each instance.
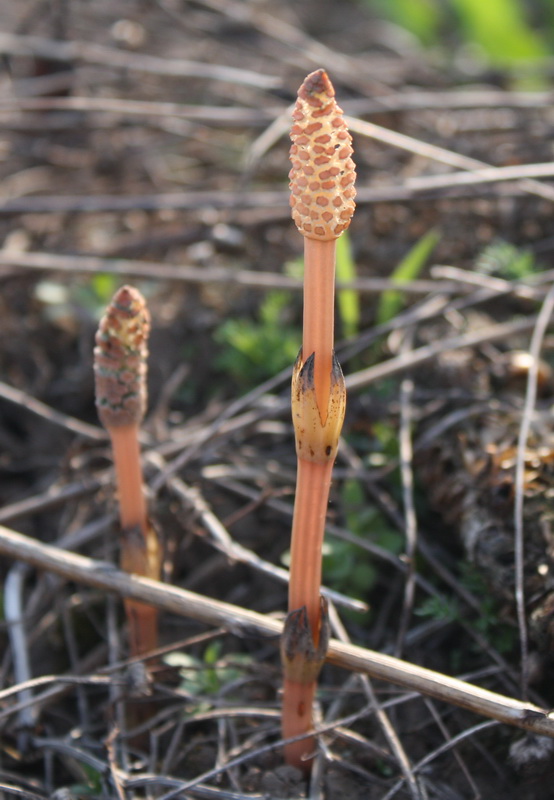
(500, 28)
(206, 676)
(104, 285)
(191, 672)
(348, 300)
(92, 786)
(352, 493)
(254, 350)
(421, 17)
(212, 652)
(408, 270)
(440, 608)
(504, 259)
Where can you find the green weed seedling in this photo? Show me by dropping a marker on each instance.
(92, 784)
(408, 270)
(345, 566)
(505, 260)
(255, 350)
(501, 635)
(204, 677)
(497, 31)
(348, 300)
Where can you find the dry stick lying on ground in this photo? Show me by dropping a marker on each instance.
(384, 556)
(221, 539)
(387, 728)
(356, 70)
(393, 366)
(436, 153)
(421, 355)
(51, 498)
(108, 578)
(120, 376)
(322, 200)
(394, 138)
(24, 100)
(414, 100)
(74, 264)
(234, 201)
(227, 115)
(91, 53)
(39, 408)
(537, 338)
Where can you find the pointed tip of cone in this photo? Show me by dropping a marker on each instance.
(120, 359)
(126, 295)
(316, 82)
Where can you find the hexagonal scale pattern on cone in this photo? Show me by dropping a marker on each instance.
(323, 173)
(120, 359)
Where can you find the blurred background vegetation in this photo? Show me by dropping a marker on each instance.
(497, 33)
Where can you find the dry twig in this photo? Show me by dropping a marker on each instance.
(539, 331)
(240, 621)
(75, 51)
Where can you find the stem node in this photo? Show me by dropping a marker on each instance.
(317, 429)
(302, 653)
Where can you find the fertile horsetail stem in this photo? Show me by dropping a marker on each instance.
(322, 201)
(120, 377)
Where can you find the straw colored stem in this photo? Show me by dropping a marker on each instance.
(298, 699)
(139, 543)
(143, 628)
(318, 325)
(80, 569)
(306, 630)
(322, 201)
(120, 376)
(312, 494)
(126, 454)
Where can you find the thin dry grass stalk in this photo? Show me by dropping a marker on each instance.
(240, 621)
(120, 374)
(322, 200)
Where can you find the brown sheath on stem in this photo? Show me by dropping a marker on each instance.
(316, 448)
(120, 376)
(306, 628)
(302, 659)
(140, 555)
(322, 200)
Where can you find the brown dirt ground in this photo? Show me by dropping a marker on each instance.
(202, 186)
